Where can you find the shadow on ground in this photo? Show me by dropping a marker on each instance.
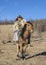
(42, 53)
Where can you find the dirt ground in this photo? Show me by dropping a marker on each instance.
(8, 51)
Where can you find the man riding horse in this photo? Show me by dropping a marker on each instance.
(22, 33)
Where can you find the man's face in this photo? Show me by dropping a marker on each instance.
(19, 19)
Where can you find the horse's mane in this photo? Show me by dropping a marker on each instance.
(24, 28)
(29, 23)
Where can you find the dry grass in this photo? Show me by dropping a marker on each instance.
(6, 32)
(8, 50)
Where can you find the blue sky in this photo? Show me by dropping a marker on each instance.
(28, 9)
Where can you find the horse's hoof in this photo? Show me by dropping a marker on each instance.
(23, 58)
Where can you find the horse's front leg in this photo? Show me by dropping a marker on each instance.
(25, 47)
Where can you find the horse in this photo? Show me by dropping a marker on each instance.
(24, 39)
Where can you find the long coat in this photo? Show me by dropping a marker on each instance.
(18, 25)
(16, 29)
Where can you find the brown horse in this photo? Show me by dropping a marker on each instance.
(24, 38)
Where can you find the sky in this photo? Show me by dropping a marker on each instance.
(28, 9)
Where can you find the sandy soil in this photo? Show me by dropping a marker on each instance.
(37, 52)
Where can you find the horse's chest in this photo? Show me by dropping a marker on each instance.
(24, 41)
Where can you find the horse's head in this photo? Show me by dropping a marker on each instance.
(28, 28)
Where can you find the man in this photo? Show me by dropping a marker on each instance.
(18, 25)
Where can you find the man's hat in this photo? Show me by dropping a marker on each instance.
(19, 17)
